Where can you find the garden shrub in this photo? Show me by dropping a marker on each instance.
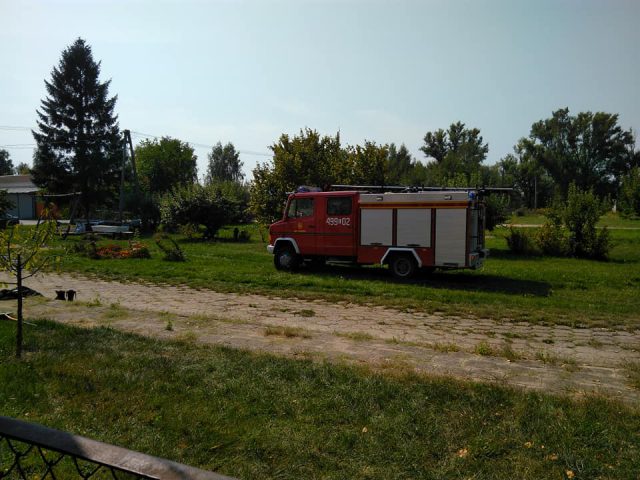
(602, 245)
(570, 228)
(191, 231)
(521, 241)
(241, 235)
(170, 248)
(195, 204)
(552, 239)
(581, 215)
(137, 250)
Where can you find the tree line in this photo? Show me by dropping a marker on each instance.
(79, 148)
(590, 150)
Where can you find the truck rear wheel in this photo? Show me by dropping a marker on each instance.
(285, 258)
(403, 266)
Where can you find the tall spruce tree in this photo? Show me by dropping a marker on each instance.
(78, 141)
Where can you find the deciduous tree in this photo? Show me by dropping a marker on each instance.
(6, 165)
(369, 164)
(629, 199)
(458, 150)
(199, 205)
(305, 159)
(400, 165)
(526, 176)
(589, 149)
(23, 169)
(165, 164)
(23, 255)
(224, 164)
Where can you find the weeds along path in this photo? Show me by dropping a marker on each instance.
(556, 359)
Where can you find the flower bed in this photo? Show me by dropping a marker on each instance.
(135, 250)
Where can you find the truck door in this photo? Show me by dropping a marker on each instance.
(451, 237)
(302, 224)
(337, 226)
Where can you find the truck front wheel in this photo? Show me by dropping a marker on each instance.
(403, 266)
(285, 258)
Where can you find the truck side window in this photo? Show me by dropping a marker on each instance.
(339, 206)
(300, 207)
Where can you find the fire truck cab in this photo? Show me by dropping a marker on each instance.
(406, 230)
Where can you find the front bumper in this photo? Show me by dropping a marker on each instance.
(270, 249)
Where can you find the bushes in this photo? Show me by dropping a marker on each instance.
(198, 205)
(570, 229)
(552, 239)
(580, 215)
(238, 195)
(172, 251)
(520, 241)
(191, 231)
(241, 235)
(497, 210)
(629, 200)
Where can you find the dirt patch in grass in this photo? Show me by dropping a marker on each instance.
(579, 360)
(289, 332)
(633, 372)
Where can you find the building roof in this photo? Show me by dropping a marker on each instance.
(18, 184)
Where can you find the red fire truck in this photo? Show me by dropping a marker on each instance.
(406, 230)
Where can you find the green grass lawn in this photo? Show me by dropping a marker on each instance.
(536, 289)
(611, 220)
(259, 416)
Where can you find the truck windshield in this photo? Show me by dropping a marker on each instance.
(300, 207)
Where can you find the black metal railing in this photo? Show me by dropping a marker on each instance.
(29, 450)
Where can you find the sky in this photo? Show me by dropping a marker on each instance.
(386, 71)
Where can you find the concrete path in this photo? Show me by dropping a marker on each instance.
(555, 359)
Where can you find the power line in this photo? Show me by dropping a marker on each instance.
(19, 146)
(13, 128)
(200, 145)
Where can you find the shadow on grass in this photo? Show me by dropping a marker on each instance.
(210, 241)
(509, 255)
(452, 280)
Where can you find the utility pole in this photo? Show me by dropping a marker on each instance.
(122, 164)
(128, 143)
(127, 137)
